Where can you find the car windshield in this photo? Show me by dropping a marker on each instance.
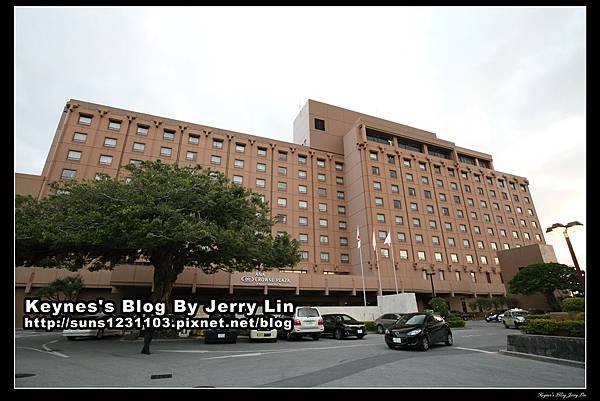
(519, 313)
(412, 319)
(346, 318)
(308, 312)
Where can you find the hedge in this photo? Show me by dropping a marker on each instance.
(455, 322)
(537, 317)
(573, 304)
(580, 316)
(548, 327)
(371, 327)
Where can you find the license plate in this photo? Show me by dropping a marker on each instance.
(359, 331)
(259, 334)
(221, 335)
(397, 340)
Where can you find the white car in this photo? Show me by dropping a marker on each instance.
(260, 334)
(514, 318)
(96, 333)
(307, 322)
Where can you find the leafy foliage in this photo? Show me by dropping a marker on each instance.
(62, 289)
(172, 216)
(439, 305)
(549, 327)
(455, 321)
(573, 304)
(495, 303)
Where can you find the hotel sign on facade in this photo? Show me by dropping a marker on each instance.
(261, 279)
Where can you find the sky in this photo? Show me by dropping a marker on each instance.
(505, 81)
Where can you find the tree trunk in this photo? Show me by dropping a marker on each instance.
(552, 301)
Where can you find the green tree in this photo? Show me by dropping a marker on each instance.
(439, 305)
(62, 289)
(172, 216)
(545, 278)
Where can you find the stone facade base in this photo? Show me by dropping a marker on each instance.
(571, 348)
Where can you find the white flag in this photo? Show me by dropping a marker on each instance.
(357, 236)
(388, 239)
(374, 242)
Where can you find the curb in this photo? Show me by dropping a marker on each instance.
(558, 361)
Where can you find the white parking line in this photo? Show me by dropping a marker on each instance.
(477, 350)
(234, 356)
(269, 351)
(54, 353)
(51, 351)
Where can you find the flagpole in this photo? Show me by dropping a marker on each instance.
(377, 263)
(362, 273)
(394, 266)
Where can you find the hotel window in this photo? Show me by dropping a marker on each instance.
(238, 179)
(378, 201)
(439, 183)
(437, 169)
(85, 119)
(421, 255)
(489, 180)
(534, 224)
(217, 144)
(526, 199)
(503, 233)
(303, 255)
(530, 212)
(193, 140)
(487, 217)
(480, 245)
(512, 185)
(494, 246)
(488, 277)
(324, 239)
(166, 151)
(538, 237)
(322, 207)
(457, 275)
(399, 220)
(105, 159)
(477, 178)
(135, 163)
(473, 215)
(79, 137)
(495, 206)
(215, 159)
(442, 197)
(467, 188)
(462, 228)
(380, 218)
(74, 155)
(511, 221)
(473, 277)
(516, 197)
(454, 258)
(456, 199)
(139, 147)
(438, 257)
(515, 235)
(191, 155)
(385, 253)
(469, 259)
(301, 159)
(302, 204)
(320, 125)
(425, 180)
(240, 147)
(281, 170)
(480, 191)
(422, 166)
(526, 236)
(169, 135)
(143, 130)
(451, 242)
(403, 254)
(339, 166)
(382, 234)
(490, 231)
(323, 223)
(484, 260)
(464, 175)
(429, 209)
(414, 207)
(492, 193)
(504, 195)
(406, 162)
(416, 222)
(418, 238)
(409, 177)
(375, 170)
(466, 243)
(282, 186)
(343, 241)
(393, 174)
(320, 162)
(303, 221)
(344, 258)
(470, 202)
(373, 155)
(519, 210)
(377, 185)
(322, 191)
(432, 224)
(341, 209)
(261, 152)
(114, 125)
(401, 237)
(339, 180)
(427, 194)
(302, 189)
(238, 163)
(68, 174)
(501, 183)
(342, 225)
(391, 159)
(497, 261)
(302, 174)
(523, 188)
(453, 186)
(523, 223)
(448, 226)
(260, 183)
(412, 191)
(435, 240)
(483, 204)
(321, 177)
(261, 167)
(451, 172)
(282, 156)
(445, 211)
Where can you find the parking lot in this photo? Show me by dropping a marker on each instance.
(473, 361)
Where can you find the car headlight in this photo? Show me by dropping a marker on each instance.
(413, 332)
(387, 331)
(520, 319)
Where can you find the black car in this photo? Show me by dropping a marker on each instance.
(340, 325)
(418, 330)
(220, 335)
(494, 316)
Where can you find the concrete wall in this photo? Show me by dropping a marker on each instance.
(572, 348)
(397, 303)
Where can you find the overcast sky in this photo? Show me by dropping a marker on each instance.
(505, 81)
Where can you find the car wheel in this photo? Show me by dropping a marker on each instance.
(505, 325)
(338, 334)
(99, 334)
(316, 337)
(360, 336)
(290, 337)
(380, 329)
(424, 344)
(449, 340)
(71, 338)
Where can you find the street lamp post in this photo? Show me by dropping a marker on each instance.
(564, 229)
(431, 280)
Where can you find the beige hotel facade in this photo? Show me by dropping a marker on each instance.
(447, 209)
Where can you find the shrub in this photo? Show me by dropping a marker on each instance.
(454, 321)
(573, 304)
(439, 305)
(580, 316)
(370, 327)
(548, 327)
(537, 317)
